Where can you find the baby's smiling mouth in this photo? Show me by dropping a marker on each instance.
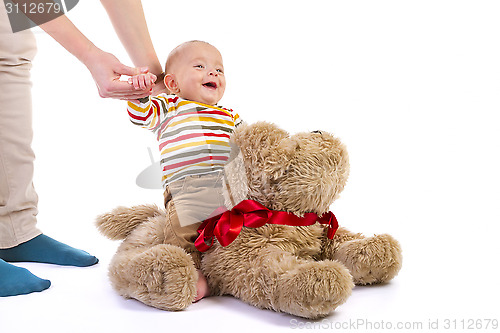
(211, 85)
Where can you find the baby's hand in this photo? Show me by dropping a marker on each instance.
(143, 81)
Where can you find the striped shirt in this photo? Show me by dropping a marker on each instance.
(193, 137)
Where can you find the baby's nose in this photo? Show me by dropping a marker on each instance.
(212, 72)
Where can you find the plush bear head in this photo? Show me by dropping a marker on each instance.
(297, 173)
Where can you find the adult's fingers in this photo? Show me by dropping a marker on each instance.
(122, 90)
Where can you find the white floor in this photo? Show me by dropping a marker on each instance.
(81, 300)
(411, 88)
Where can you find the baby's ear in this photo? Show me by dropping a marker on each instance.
(171, 83)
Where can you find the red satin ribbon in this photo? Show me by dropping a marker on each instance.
(227, 224)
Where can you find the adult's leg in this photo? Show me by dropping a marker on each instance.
(18, 199)
(20, 240)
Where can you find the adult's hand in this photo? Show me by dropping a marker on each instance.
(106, 70)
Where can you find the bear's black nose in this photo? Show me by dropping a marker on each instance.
(319, 132)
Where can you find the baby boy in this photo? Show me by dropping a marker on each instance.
(193, 135)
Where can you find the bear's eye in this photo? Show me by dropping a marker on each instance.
(319, 132)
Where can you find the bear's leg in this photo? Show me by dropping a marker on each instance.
(273, 279)
(163, 276)
(370, 260)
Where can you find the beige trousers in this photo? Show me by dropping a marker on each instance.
(18, 199)
(188, 202)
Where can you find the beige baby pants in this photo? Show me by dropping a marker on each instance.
(189, 201)
(18, 199)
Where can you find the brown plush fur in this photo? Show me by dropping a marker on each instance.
(296, 270)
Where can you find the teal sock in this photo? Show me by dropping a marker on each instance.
(19, 281)
(47, 250)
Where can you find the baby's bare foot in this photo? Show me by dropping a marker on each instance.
(201, 287)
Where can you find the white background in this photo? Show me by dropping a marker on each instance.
(411, 87)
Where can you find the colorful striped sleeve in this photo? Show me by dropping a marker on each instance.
(142, 113)
(148, 113)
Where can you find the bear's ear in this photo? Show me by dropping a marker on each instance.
(265, 148)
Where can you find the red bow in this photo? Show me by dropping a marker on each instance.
(227, 225)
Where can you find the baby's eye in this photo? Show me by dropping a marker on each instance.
(199, 66)
(220, 71)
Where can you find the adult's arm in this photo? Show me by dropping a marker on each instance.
(130, 25)
(105, 68)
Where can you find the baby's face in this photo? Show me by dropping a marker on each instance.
(199, 74)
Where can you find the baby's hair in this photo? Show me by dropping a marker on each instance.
(172, 56)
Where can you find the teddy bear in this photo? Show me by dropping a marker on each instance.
(276, 245)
